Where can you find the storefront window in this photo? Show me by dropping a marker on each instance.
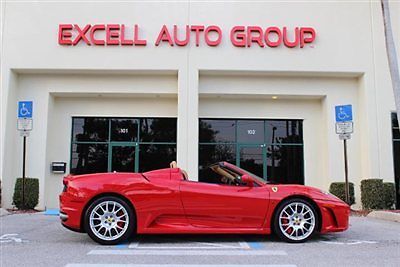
(156, 156)
(90, 130)
(285, 164)
(122, 144)
(222, 131)
(272, 149)
(395, 128)
(89, 158)
(250, 131)
(124, 130)
(158, 130)
(252, 159)
(288, 131)
(211, 153)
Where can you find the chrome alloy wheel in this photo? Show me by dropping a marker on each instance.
(109, 220)
(297, 221)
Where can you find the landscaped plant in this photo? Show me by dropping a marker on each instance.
(372, 194)
(389, 195)
(337, 189)
(31, 193)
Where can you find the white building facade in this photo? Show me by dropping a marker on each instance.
(130, 86)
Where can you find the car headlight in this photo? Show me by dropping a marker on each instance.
(330, 195)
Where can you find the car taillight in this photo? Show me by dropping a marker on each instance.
(65, 185)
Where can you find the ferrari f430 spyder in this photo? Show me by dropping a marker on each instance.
(111, 207)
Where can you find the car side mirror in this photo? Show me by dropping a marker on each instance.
(247, 180)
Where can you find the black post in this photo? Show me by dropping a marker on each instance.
(23, 173)
(273, 153)
(346, 173)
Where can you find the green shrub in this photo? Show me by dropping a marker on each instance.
(337, 189)
(372, 194)
(31, 193)
(389, 195)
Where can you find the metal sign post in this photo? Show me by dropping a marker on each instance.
(346, 173)
(24, 125)
(344, 127)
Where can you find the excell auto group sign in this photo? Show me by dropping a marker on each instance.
(212, 35)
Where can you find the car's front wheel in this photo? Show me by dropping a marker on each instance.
(109, 220)
(295, 220)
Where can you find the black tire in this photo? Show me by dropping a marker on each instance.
(96, 235)
(285, 228)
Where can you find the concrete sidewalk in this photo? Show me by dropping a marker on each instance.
(3, 212)
(388, 215)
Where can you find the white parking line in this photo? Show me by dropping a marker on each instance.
(177, 265)
(349, 242)
(134, 244)
(171, 252)
(6, 238)
(244, 245)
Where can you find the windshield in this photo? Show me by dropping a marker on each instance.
(243, 171)
(255, 177)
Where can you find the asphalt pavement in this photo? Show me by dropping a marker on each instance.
(39, 240)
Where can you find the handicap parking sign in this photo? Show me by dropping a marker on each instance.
(344, 113)
(25, 109)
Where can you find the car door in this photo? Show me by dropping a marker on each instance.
(224, 206)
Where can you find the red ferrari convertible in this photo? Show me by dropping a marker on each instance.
(111, 207)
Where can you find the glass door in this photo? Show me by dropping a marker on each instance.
(253, 158)
(123, 157)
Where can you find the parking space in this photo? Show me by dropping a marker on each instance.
(39, 240)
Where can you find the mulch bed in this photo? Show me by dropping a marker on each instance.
(395, 211)
(359, 213)
(363, 213)
(16, 211)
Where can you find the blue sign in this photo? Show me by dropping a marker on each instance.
(25, 109)
(344, 113)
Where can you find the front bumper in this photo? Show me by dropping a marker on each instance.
(335, 216)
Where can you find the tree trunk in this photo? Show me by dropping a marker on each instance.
(392, 55)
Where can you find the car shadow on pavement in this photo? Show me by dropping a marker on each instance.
(193, 238)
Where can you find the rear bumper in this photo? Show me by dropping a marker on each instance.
(63, 217)
(71, 212)
(335, 216)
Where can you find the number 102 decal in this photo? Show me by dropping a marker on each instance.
(251, 132)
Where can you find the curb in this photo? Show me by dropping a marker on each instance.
(385, 215)
(3, 212)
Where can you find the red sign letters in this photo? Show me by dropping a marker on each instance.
(240, 36)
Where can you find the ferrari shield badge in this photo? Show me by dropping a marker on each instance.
(274, 189)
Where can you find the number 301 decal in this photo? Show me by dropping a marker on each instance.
(122, 130)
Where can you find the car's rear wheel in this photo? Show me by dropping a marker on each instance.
(295, 220)
(109, 220)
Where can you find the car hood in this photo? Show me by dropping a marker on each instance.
(313, 192)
